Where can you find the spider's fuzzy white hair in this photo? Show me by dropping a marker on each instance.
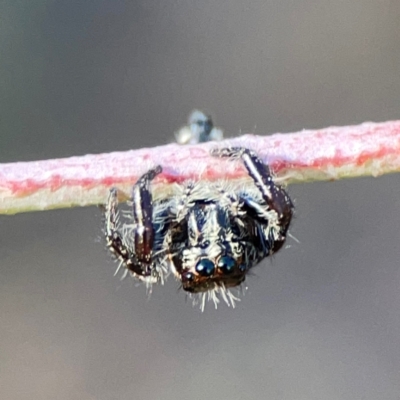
(215, 295)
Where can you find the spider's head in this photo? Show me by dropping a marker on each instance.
(213, 256)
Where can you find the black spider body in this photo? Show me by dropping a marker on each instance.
(208, 235)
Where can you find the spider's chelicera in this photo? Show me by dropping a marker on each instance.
(207, 234)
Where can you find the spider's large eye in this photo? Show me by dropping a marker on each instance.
(226, 264)
(205, 267)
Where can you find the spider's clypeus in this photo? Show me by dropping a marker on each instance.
(207, 234)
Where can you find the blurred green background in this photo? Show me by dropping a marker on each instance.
(319, 321)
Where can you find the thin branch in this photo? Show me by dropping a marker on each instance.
(326, 154)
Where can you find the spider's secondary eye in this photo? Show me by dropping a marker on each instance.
(242, 267)
(226, 264)
(205, 267)
(205, 244)
(187, 277)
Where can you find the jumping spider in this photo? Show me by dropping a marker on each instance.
(207, 234)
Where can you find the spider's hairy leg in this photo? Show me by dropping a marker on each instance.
(275, 196)
(142, 212)
(179, 212)
(137, 261)
(113, 238)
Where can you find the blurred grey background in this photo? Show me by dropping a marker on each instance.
(319, 321)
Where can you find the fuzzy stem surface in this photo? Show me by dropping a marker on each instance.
(369, 149)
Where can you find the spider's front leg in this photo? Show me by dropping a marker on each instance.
(139, 259)
(274, 195)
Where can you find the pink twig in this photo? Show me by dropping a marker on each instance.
(326, 154)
